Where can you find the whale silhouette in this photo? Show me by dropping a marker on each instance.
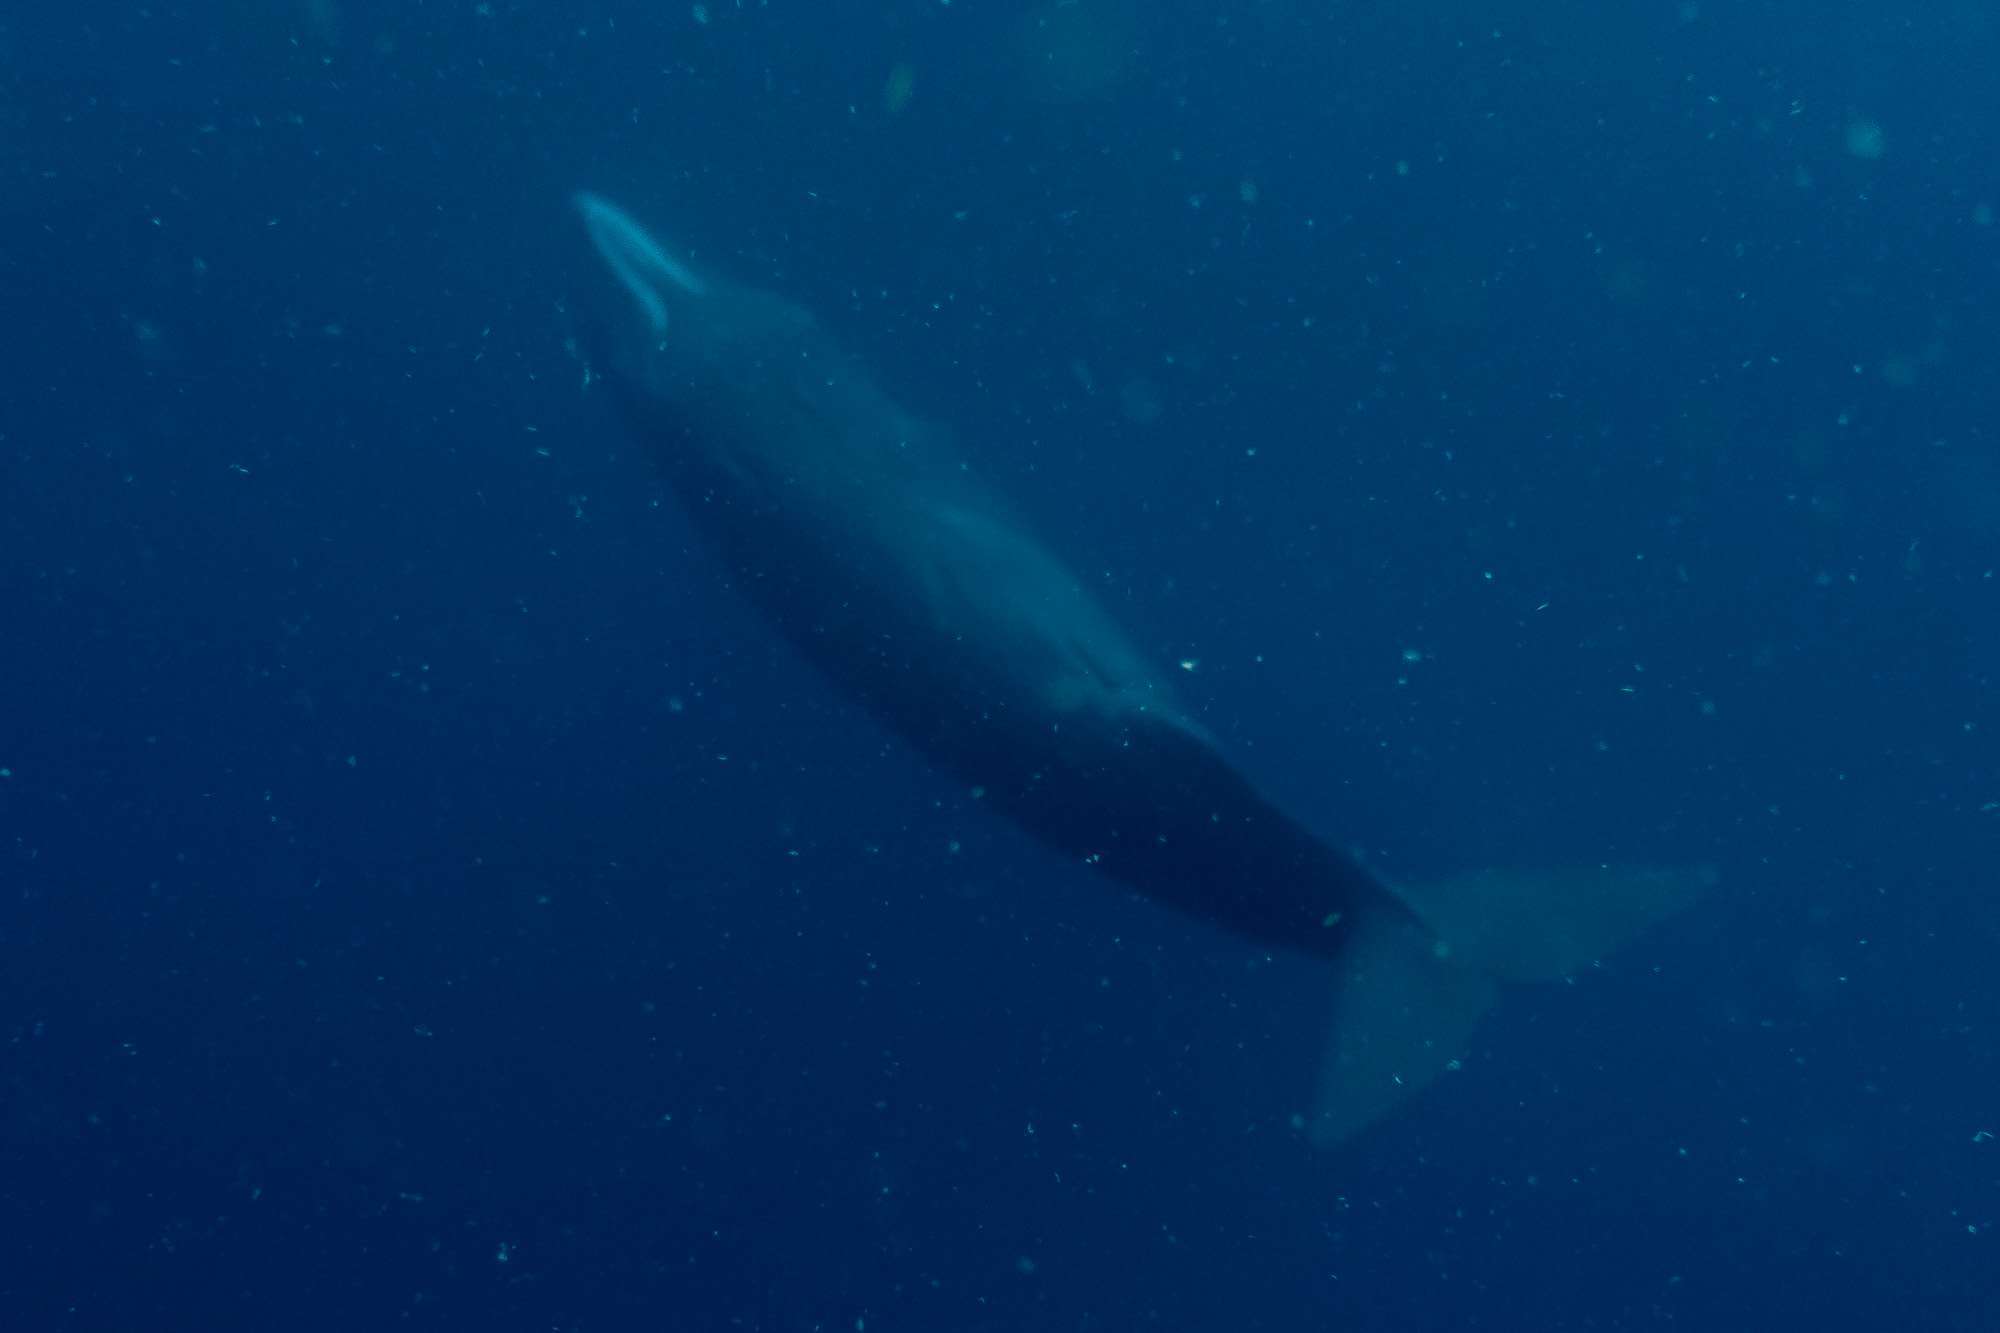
(905, 578)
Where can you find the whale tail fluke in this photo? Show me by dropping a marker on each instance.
(1410, 992)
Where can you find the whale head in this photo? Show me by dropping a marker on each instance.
(669, 331)
(652, 278)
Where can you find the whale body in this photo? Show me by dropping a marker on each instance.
(873, 547)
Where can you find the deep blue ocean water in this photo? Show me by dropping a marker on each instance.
(1554, 432)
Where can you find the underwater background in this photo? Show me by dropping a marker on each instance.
(1546, 433)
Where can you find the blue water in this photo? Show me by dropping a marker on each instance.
(1555, 432)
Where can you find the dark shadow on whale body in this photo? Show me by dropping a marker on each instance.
(881, 556)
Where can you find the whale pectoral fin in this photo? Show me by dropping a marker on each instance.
(1409, 992)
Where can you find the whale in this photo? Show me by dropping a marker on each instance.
(873, 544)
